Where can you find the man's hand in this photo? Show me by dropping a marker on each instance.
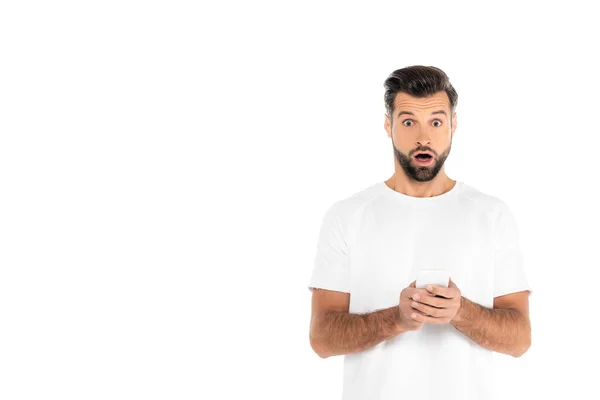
(406, 313)
(439, 307)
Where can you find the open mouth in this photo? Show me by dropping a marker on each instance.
(423, 159)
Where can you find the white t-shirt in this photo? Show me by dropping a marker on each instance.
(373, 243)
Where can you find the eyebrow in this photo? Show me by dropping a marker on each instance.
(410, 113)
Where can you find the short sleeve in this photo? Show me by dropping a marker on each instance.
(331, 265)
(509, 268)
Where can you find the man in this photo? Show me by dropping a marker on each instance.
(399, 341)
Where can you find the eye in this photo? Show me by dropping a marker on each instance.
(437, 120)
(407, 120)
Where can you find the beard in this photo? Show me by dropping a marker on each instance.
(421, 173)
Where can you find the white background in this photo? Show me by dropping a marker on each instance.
(164, 168)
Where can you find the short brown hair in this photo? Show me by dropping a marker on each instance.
(418, 81)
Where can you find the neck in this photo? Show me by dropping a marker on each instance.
(435, 187)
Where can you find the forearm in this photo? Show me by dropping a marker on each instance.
(340, 333)
(502, 330)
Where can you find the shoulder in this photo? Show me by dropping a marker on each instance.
(346, 208)
(487, 203)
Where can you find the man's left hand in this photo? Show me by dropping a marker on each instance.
(441, 306)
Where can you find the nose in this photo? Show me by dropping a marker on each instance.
(423, 138)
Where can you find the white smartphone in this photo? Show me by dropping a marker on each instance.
(432, 276)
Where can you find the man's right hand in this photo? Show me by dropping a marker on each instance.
(405, 321)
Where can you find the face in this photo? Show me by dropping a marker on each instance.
(421, 124)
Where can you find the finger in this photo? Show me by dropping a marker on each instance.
(412, 310)
(440, 291)
(438, 302)
(413, 284)
(429, 320)
(415, 313)
(431, 311)
(451, 283)
(419, 294)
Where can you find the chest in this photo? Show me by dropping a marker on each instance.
(389, 249)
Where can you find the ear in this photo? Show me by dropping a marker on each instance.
(454, 124)
(387, 125)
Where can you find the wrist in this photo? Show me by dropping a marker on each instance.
(460, 313)
(397, 321)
